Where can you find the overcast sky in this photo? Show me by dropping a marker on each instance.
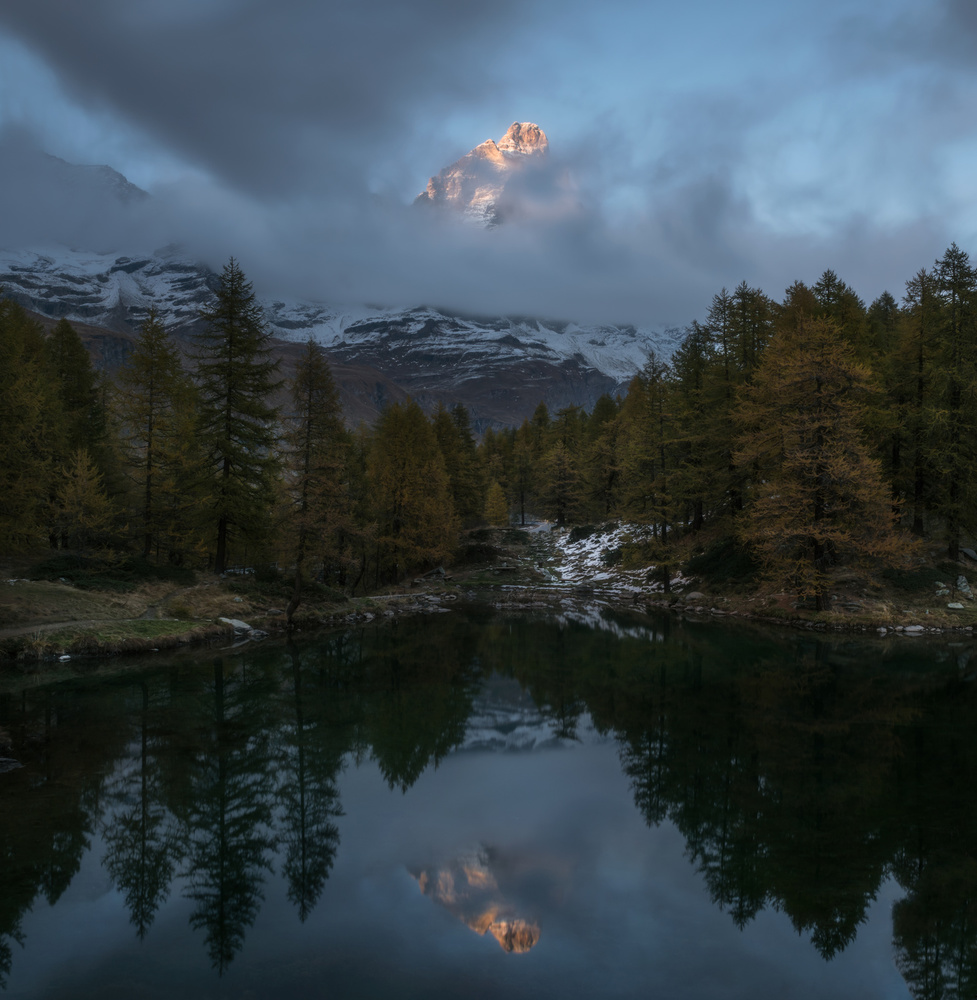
(708, 142)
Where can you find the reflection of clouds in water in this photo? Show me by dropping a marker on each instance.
(468, 888)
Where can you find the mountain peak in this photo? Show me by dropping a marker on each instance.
(526, 138)
(475, 184)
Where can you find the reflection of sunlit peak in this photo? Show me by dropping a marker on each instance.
(468, 888)
(515, 935)
(479, 877)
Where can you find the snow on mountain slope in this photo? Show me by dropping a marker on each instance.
(499, 366)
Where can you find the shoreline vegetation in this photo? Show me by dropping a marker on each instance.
(544, 569)
(809, 461)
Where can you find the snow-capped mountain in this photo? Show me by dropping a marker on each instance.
(492, 181)
(500, 367)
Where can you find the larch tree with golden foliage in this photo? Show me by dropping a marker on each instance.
(410, 493)
(817, 496)
(316, 443)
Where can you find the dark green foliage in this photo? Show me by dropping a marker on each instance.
(236, 376)
(726, 563)
(925, 578)
(94, 572)
(31, 430)
(581, 531)
(475, 553)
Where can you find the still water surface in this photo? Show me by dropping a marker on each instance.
(479, 805)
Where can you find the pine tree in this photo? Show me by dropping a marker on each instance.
(236, 376)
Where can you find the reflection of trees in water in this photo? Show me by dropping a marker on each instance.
(935, 926)
(785, 766)
(309, 799)
(67, 739)
(934, 930)
(142, 848)
(418, 686)
(228, 833)
(798, 776)
(773, 776)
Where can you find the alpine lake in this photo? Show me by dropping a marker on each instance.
(489, 804)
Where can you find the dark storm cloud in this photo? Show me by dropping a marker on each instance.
(311, 125)
(271, 95)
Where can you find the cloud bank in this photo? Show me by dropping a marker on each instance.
(304, 130)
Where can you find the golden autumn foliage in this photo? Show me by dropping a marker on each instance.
(817, 493)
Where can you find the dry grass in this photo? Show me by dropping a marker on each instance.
(39, 602)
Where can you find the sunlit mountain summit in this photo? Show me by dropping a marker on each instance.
(498, 180)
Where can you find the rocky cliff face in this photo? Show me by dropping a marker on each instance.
(476, 184)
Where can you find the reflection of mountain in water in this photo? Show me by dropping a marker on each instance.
(800, 772)
(468, 888)
(504, 717)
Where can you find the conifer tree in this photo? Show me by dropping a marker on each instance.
(78, 389)
(457, 444)
(954, 381)
(601, 467)
(83, 511)
(524, 467)
(236, 376)
(410, 494)
(560, 484)
(317, 443)
(30, 429)
(818, 495)
(646, 459)
(149, 385)
(695, 478)
(496, 505)
(750, 327)
(839, 303)
(909, 377)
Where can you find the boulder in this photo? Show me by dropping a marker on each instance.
(235, 624)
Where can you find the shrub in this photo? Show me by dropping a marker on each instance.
(107, 571)
(180, 609)
(728, 563)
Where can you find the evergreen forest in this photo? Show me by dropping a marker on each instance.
(801, 434)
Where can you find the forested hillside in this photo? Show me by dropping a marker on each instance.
(802, 433)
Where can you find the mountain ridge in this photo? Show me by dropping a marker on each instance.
(499, 367)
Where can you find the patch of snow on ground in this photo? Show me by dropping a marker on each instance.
(585, 562)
